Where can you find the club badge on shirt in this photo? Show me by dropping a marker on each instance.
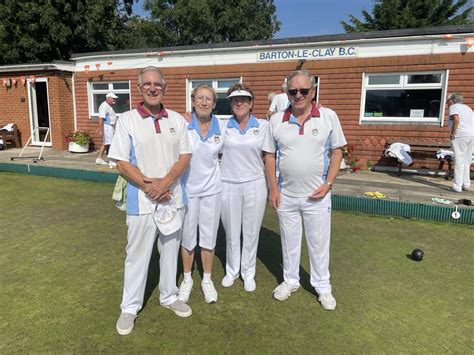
(315, 131)
(172, 130)
(256, 131)
(217, 139)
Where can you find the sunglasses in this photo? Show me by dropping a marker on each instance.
(294, 92)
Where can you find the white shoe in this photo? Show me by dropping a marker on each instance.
(327, 301)
(185, 290)
(112, 164)
(210, 293)
(125, 323)
(283, 291)
(100, 161)
(250, 285)
(180, 308)
(228, 281)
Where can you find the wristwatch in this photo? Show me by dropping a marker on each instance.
(330, 184)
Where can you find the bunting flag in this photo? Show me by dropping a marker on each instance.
(109, 63)
(86, 68)
(97, 66)
(23, 80)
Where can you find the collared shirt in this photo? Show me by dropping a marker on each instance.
(304, 149)
(242, 153)
(203, 177)
(466, 120)
(154, 153)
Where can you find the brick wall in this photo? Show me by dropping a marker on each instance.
(340, 89)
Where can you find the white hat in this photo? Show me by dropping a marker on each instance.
(167, 218)
(239, 93)
(112, 95)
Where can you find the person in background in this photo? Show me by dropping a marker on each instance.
(310, 142)
(107, 120)
(152, 150)
(203, 186)
(244, 188)
(279, 102)
(461, 126)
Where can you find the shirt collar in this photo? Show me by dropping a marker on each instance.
(314, 113)
(143, 112)
(251, 123)
(214, 129)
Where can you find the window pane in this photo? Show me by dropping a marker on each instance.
(196, 83)
(100, 86)
(120, 86)
(222, 107)
(225, 84)
(424, 79)
(399, 103)
(384, 79)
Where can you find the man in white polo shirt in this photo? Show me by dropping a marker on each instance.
(310, 142)
(461, 125)
(279, 102)
(107, 120)
(152, 150)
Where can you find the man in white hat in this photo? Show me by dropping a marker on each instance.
(152, 150)
(107, 120)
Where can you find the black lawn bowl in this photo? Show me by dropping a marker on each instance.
(417, 255)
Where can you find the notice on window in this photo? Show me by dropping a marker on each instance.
(417, 113)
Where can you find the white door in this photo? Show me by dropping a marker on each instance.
(39, 111)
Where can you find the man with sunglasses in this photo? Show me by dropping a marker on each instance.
(152, 150)
(310, 142)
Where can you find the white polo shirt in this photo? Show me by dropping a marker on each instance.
(279, 103)
(107, 113)
(466, 120)
(203, 177)
(153, 145)
(242, 154)
(304, 149)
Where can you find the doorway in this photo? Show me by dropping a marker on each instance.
(39, 111)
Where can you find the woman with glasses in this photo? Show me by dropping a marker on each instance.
(244, 192)
(202, 185)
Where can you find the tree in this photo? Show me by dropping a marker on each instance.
(33, 31)
(186, 22)
(399, 14)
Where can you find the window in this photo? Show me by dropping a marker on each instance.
(98, 90)
(221, 86)
(405, 97)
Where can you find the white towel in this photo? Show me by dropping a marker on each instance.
(8, 127)
(400, 151)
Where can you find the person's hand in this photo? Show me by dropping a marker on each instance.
(320, 192)
(167, 196)
(155, 188)
(274, 199)
(188, 116)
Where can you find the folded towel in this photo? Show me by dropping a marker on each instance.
(400, 151)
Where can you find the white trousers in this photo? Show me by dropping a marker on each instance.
(316, 215)
(243, 206)
(463, 149)
(203, 211)
(142, 232)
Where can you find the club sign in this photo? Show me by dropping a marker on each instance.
(311, 54)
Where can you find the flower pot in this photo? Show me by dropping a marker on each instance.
(78, 148)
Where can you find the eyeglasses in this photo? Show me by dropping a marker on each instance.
(203, 99)
(158, 86)
(294, 92)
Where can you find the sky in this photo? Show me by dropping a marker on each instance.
(310, 17)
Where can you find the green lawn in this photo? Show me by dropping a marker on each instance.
(61, 262)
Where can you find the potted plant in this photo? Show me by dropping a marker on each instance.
(79, 141)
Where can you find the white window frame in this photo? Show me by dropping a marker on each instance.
(189, 89)
(403, 84)
(91, 92)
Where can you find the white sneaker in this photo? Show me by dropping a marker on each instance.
(180, 308)
(283, 291)
(112, 164)
(327, 301)
(185, 290)
(250, 285)
(228, 281)
(210, 293)
(100, 161)
(125, 323)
